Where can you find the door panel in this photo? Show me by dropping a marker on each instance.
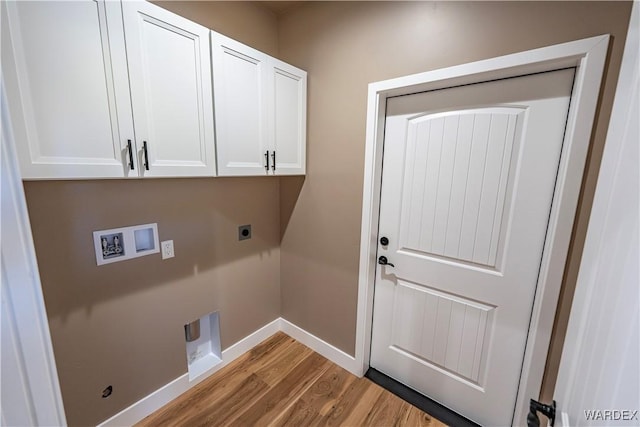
(289, 115)
(69, 89)
(441, 331)
(170, 71)
(457, 178)
(240, 95)
(467, 185)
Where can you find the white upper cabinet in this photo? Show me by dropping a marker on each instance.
(170, 72)
(289, 112)
(108, 89)
(65, 78)
(260, 111)
(76, 87)
(239, 82)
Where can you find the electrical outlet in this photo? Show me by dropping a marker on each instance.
(244, 232)
(167, 249)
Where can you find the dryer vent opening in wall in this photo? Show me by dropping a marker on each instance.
(192, 331)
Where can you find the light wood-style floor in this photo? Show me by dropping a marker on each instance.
(282, 382)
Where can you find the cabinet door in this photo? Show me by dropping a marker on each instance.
(67, 88)
(289, 106)
(240, 99)
(170, 72)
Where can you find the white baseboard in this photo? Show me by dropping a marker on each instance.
(247, 343)
(165, 394)
(332, 353)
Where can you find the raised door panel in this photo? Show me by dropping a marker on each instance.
(457, 168)
(289, 115)
(66, 81)
(170, 73)
(240, 99)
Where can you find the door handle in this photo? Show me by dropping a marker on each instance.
(146, 155)
(266, 157)
(273, 157)
(130, 154)
(384, 261)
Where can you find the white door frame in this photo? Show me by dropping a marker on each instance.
(588, 56)
(601, 344)
(30, 385)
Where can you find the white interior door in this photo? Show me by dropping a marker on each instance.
(467, 185)
(170, 72)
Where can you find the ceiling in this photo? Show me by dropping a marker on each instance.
(280, 7)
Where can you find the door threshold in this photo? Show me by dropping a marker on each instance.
(418, 400)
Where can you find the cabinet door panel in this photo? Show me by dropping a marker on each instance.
(289, 113)
(69, 105)
(239, 93)
(169, 67)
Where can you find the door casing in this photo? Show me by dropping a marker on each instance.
(588, 56)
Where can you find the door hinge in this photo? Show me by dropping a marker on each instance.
(548, 411)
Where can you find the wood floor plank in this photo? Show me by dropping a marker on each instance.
(200, 397)
(355, 405)
(319, 399)
(415, 417)
(282, 382)
(328, 392)
(387, 411)
(285, 393)
(219, 386)
(277, 368)
(274, 341)
(274, 354)
(329, 388)
(300, 414)
(228, 410)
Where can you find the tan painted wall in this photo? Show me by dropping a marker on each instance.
(121, 324)
(244, 21)
(346, 45)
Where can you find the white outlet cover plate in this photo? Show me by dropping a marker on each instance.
(167, 249)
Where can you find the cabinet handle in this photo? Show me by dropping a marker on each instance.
(266, 157)
(273, 156)
(146, 155)
(130, 154)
